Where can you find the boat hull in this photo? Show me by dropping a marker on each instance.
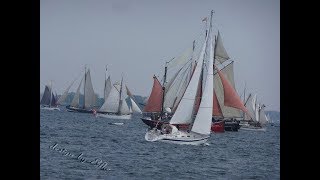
(80, 110)
(231, 125)
(253, 128)
(50, 108)
(153, 123)
(218, 127)
(114, 116)
(178, 137)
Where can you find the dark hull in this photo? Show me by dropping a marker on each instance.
(154, 123)
(232, 125)
(74, 109)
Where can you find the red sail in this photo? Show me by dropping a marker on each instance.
(155, 99)
(231, 98)
(216, 110)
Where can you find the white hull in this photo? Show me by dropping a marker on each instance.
(178, 137)
(114, 116)
(252, 128)
(50, 108)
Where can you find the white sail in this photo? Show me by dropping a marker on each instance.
(107, 90)
(257, 112)
(249, 104)
(202, 123)
(183, 114)
(89, 95)
(75, 100)
(135, 107)
(112, 102)
(220, 52)
(262, 117)
(124, 109)
(177, 88)
(65, 94)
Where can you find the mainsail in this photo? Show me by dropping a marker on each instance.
(155, 99)
(89, 95)
(183, 114)
(45, 100)
(76, 99)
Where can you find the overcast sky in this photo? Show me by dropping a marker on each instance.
(136, 37)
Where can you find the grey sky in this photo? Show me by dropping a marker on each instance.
(136, 37)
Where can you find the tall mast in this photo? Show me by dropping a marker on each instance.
(163, 87)
(84, 86)
(120, 100)
(105, 84)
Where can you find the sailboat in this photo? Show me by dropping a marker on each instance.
(164, 98)
(258, 118)
(115, 106)
(196, 105)
(89, 96)
(49, 100)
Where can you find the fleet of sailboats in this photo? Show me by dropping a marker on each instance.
(258, 119)
(196, 96)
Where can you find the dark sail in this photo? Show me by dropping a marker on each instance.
(46, 96)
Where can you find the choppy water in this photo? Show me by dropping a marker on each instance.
(125, 154)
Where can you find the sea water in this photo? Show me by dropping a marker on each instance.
(81, 146)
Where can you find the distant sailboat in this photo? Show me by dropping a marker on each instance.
(258, 118)
(49, 100)
(89, 96)
(115, 106)
(196, 105)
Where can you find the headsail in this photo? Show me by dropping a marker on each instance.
(65, 94)
(203, 120)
